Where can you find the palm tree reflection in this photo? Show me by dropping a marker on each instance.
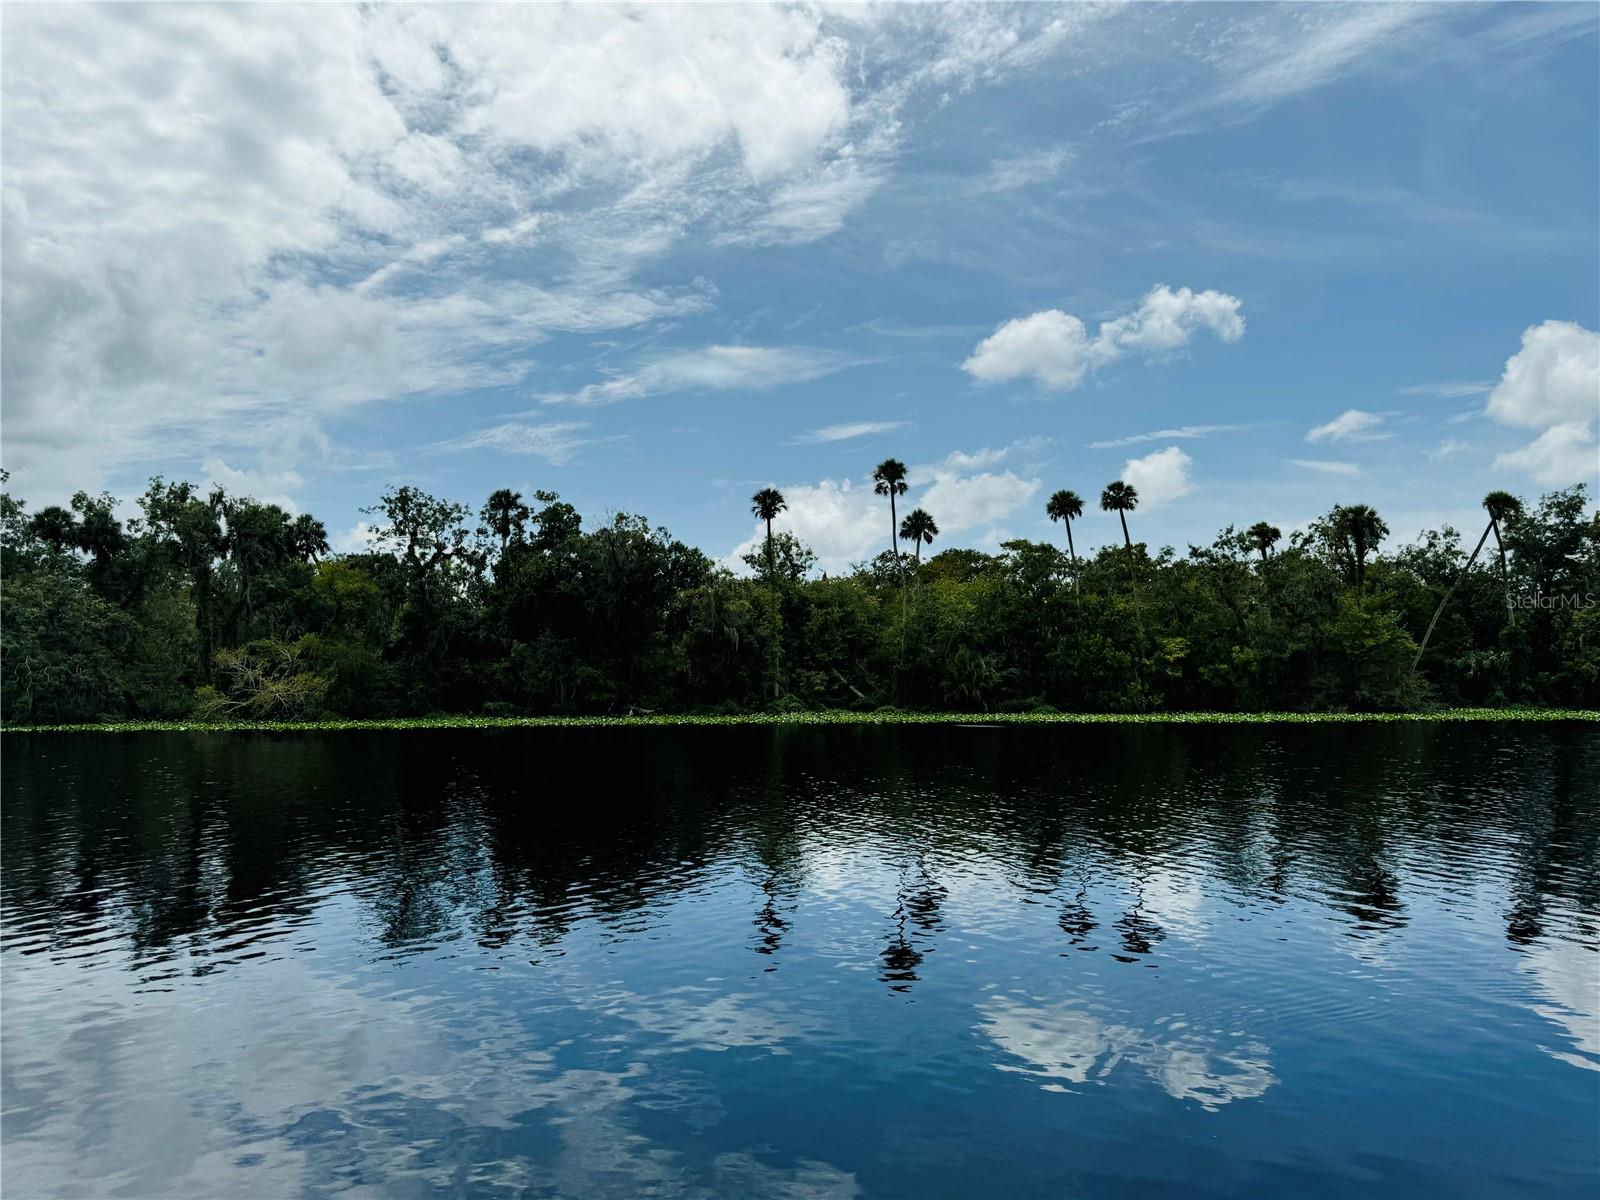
(916, 919)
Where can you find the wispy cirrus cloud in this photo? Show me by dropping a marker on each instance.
(1352, 425)
(1346, 470)
(1287, 51)
(846, 432)
(555, 442)
(1165, 435)
(718, 368)
(1023, 170)
(1449, 391)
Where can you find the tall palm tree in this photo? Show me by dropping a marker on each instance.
(918, 527)
(1065, 506)
(1501, 506)
(1264, 536)
(1120, 498)
(889, 479)
(1361, 529)
(505, 513)
(767, 504)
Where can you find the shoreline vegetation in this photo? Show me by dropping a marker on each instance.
(219, 610)
(824, 718)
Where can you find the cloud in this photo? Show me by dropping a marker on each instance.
(844, 433)
(1055, 350)
(383, 203)
(962, 502)
(846, 523)
(1294, 51)
(1347, 470)
(1562, 454)
(807, 209)
(977, 460)
(1352, 425)
(1552, 383)
(1446, 449)
(1448, 391)
(1554, 379)
(355, 540)
(1162, 435)
(1008, 174)
(1160, 477)
(1061, 1048)
(555, 442)
(720, 368)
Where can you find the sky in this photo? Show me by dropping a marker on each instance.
(1256, 260)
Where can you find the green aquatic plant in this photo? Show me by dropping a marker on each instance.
(828, 717)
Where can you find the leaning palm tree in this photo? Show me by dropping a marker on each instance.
(1501, 506)
(767, 504)
(918, 527)
(889, 479)
(1065, 506)
(1264, 537)
(1120, 498)
(1361, 529)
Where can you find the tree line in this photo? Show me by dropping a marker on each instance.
(216, 606)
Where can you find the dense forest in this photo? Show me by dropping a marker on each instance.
(218, 606)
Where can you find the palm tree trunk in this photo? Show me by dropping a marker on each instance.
(1505, 573)
(769, 548)
(918, 553)
(1071, 550)
(1126, 540)
(894, 528)
(1451, 592)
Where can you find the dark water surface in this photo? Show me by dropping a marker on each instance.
(914, 962)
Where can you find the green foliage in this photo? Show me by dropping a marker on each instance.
(232, 609)
(61, 650)
(262, 681)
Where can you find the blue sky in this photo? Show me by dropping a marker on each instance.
(1256, 259)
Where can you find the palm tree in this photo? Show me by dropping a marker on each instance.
(1361, 529)
(1501, 506)
(56, 527)
(1065, 506)
(918, 527)
(1120, 498)
(308, 538)
(889, 479)
(505, 513)
(766, 504)
(1264, 536)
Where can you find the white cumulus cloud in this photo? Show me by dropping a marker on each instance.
(1160, 477)
(1562, 454)
(1553, 379)
(1056, 350)
(1553, 384)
